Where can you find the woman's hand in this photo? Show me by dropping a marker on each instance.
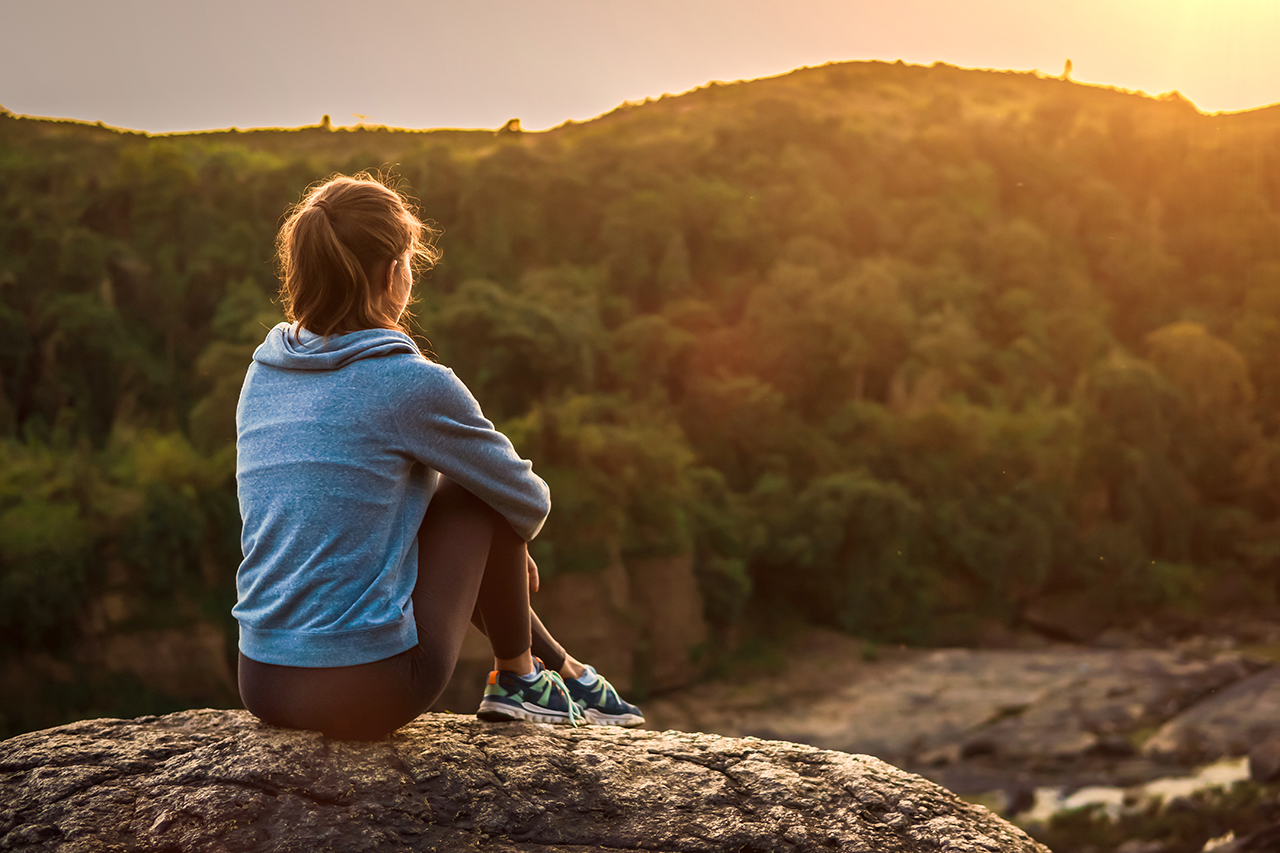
(533, 572)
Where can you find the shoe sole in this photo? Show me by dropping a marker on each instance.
(492, 711)
(600, 718)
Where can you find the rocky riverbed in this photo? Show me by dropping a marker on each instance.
(1008, 720)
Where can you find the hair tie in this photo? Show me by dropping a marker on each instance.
(324, 205)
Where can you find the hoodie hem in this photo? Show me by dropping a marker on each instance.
(319, 650)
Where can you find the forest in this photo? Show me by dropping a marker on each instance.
(892, 349)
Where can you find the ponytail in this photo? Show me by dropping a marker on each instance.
(336, 245)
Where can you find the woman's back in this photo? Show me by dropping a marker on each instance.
(339, 444)
(382, 512)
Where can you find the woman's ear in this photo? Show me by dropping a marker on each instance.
(389, 277)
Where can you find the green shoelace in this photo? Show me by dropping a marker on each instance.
(575, 713)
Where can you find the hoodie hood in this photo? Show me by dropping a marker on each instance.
(294, 348)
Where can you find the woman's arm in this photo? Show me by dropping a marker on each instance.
(442, 426)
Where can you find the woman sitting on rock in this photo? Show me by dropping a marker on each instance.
(381, 510)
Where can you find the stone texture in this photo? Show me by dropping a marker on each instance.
(1229, 722)
(1102, 703)
(1019, 708)
(221, 781)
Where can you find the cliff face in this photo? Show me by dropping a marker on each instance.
(221, 781)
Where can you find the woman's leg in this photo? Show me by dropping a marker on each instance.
(550, 652)
(516, 691)
(470, 560)
(502, 612)
(362, 702)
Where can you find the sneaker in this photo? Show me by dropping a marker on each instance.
(601, 702)
(544, 699)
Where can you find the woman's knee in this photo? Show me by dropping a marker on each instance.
(450, 498)
(451, 505)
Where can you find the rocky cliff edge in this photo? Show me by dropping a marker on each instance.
(222, 781)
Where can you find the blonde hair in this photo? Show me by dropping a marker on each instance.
(334, 245)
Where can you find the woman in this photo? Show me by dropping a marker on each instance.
(381, 510)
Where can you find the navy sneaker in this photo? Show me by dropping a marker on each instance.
(544, 699)
(601, 702)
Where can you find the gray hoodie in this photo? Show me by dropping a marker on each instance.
(339, 446)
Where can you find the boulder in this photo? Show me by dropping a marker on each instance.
(222, 781)
(1045, 708)
(1228, 722)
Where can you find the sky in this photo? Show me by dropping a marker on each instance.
(180, 65)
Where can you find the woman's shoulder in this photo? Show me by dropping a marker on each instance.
(412, 365)
(413, 376)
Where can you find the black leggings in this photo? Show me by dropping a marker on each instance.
(471, 567)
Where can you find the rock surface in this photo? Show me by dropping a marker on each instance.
(1230, 722)
(976, 720)
(221, 781)
(1023, 706)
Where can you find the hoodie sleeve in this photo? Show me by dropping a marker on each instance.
(442, 426)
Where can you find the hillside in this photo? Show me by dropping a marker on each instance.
(893, 349)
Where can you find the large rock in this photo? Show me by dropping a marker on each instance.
(221, 781)
(1048, 707)
(1229, 722)
(1101, 704)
